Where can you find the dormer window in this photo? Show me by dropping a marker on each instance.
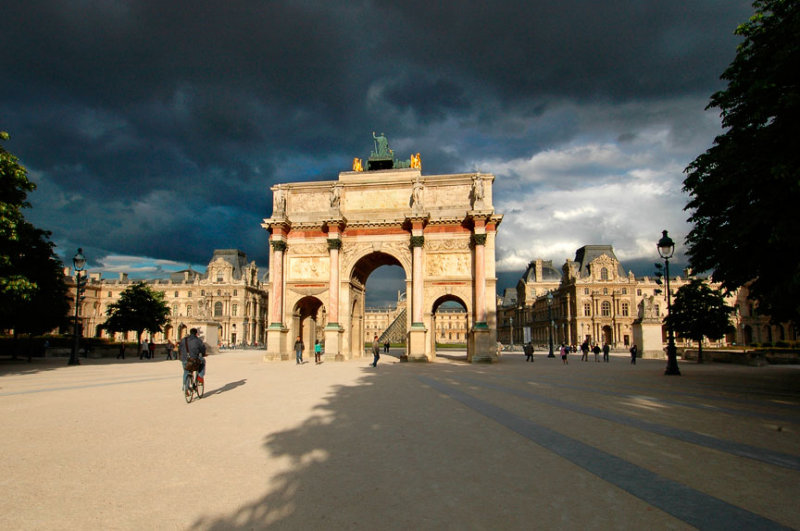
(604, 274)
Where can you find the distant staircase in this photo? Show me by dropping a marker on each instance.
(395, 332)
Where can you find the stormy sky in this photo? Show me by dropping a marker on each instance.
(154, 129)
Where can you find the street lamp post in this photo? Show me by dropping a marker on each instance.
(511, 323)
(78, 262)
(666, 248)
(550, 321)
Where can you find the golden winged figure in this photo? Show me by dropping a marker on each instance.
(357, 165)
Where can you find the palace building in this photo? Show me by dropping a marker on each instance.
(593, 298)
(231, 294)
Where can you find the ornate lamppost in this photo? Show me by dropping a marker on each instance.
(666, 248)
(511, 334)
(78, 263)
(550, 322)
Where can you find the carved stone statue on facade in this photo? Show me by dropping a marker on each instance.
(477, 191)
(416, 195)
(336, 196)
(279, 197)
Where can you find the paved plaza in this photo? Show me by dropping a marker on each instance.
(447, 445)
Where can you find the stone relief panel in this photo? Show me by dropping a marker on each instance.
(449, 196)
(309, 268)
(301, 203)
(377, 199)
(449, 244)
(448, 265)
(309, 249)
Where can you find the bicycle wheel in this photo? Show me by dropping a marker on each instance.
(188, 388)
(200, 387)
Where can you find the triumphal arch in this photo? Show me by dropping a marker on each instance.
(326, 237)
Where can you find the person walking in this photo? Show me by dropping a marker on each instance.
(376, 351)
(596, 351)
(145, 350)
(170, 348)
(386, 346)
(298, 350)
(121, 351)
(606, 350)
(151, 349)
(564, 353)
(634, 351)
(585, 351)
(528, 349)
(317, 352)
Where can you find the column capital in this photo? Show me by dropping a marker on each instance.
(334, 243)
(278, 245)
(479, 239)
(417, 241)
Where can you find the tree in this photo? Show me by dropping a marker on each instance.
(138, 309)
(33, 296)
(699, 311)
(745, 189)
(14, 188)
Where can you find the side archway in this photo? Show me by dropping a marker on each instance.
(450, 323)
(307, 323)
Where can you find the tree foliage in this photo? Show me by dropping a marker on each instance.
(746, 188)
(699, 311)
(33, 296)
(14, 188)
(138, 309)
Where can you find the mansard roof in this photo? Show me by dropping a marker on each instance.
(548, 272)
(236, 258)
(588, 253)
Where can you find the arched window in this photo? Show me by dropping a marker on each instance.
(604, 274)
(605, 309)
(217, 309)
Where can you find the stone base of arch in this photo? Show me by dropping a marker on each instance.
(416, 343)
(483, 345)
(277, 343)
(333, 342)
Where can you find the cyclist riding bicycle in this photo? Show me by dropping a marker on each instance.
(193, 350)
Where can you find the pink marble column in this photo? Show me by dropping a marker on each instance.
(276, 278)
(480, 277)
(417, 241)
(334, 243)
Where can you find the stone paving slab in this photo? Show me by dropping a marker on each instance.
(513, 445)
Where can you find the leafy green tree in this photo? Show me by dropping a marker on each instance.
(33, 296)
(745, 189)
(699, 311)
(138, 309)
(14, 188)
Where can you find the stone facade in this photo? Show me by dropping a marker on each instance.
(230, 294)
(594, 299)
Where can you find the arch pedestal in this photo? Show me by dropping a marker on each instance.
(327, 237)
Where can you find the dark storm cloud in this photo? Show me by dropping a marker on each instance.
(123, 107)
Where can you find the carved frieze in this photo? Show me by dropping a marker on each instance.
(448, 265)
(308, 248)
(309, 267)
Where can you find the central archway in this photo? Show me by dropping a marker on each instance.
(360, 272)
(327, 237)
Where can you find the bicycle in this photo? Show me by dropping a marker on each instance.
(192, 386)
